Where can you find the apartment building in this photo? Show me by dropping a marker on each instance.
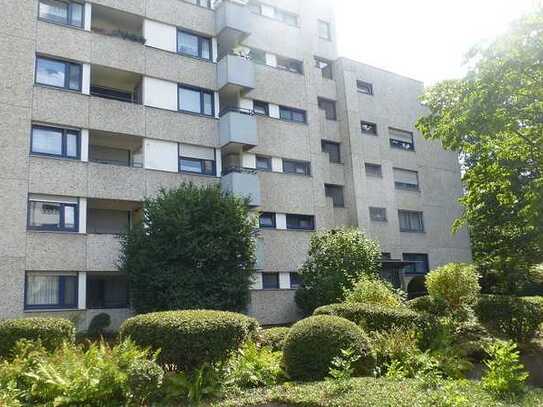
(104, 102)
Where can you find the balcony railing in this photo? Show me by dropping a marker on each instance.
(237, 126)
(241, 110)
(119, 163)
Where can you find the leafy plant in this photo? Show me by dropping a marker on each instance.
(144, 378)
(342, 367)
(273, 337)
(373, 290)
(505, 375)
(394, 345)
(255, 366)
(203, 383)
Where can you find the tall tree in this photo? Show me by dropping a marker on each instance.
(194, 250)
(494, 118)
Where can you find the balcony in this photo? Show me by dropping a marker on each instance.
(115, 23)
(238, 127)
(115, 149)
(233, 25)
(242, 183)
(115, 84)
(235, 74)
(111, 217)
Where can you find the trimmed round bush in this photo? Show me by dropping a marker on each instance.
(52, 332)
(455, 284)
(188, 339)
(274, 337)
(373, 317)
(516, 318)
(313, 343)
(144, 379)
(427, 305)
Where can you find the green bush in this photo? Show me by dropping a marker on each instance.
(98, 325)
(374, 318)
(427, 305)
(144, 379)
(516, 318)
(372, 290)
(52, 332)
(274, 337)
(188, 339)
(313, 343)
(254, 366)
(457, 285)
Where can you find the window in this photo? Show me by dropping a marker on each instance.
(401, 139)
(295, 281)
(257, 56)
(369, 128)
(195, 100)
(56, 142)
(326, 68)
(378, 214)
(52, 216)
(261, 108)
(107, 291)
(422, 264)
(197, 166)
(60, 74)
(411, 221)
(324, 30)
(270, 281)
(386, 256)
(50, 290)
(297, 167)
(263, 163)
(201, 3)
(286, 17)
(291, 65)
(335, 192)
(293, 115)
(329, 108)
(300, 222)
(406, 179)
(364, 87)
(61, 12)
(193, 45)
(374, 170)
(273, 12)
(333, 150)
(267, 220)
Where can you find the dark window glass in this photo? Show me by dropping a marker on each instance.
(335, 192)
(196, 101)
(270, 281)
(46, 290)
(329, 107)
(296, 167)
(411, 221)
(325, 67)
(290, 65)
(263, 163)
(401, 139)
(52, 216)
(324, 30)
(333, 150)
(293, 115)
(55, 142)
(193, 45)
(267, 220)
(57, 73)
(107, 292)
(406, 179)
(300, 222)
(369, 128)
(422, 265)
(261, 108)
(295, 280)
(374, 170)
(197, 166)
(378, 214)
(257, 56)
(364, 87)
(61, 12)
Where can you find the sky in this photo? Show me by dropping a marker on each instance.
(422, 39)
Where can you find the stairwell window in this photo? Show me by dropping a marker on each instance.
(364, 87)
(333, 150)
(193, 45)
(61, 12)
(59, 74)
(55, 142)
(292, 115)
(374, 170)
(368, 128)
(411, 221)
(378, 214)
(335, 193)
(51, 290)
(326, 67)
(195, 100)
(328, 107)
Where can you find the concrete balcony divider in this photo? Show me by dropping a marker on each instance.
(235, 72)
(238, 127)
(243, 184)
(232, 24)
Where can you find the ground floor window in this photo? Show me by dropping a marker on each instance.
(107, 291)
(51, 291)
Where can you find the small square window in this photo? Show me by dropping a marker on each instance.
(411, 221)
(270, 281)
(374, 170)
(325, 32)
(267, 220)
(326, 68)
(369, 128)
(364, 87)
(332, 149)
(335, 192)
(378, 214)
(261, 108)
(329, 108)
(263, 163)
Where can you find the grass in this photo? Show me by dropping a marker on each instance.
(370, 392)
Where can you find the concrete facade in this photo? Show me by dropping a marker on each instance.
(125, 104)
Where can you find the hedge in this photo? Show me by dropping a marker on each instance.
(274, 337)
(52, 332)
(188, 339)
(516, 318)
(373, 317)
(313, 343)
(427, 305)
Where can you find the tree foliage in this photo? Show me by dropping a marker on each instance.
(493, 117)
(337, 259)
(194, 250)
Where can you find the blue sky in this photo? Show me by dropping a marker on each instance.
(422, 39)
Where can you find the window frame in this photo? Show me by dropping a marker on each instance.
(291, 111)
(67, 73)
(307, 217)
(62, 217)
(262, 104)
(329, 67)
(268, 168)
(202, 92)
(372, 210)
(372, 125)
(328, 25)
(371, 165)
(306, 164)
(273, 218)
(200, 39)
(103, 306)
(367, 85)
(291, 283)
(69, 20)
(329, 114)
(340, 203)
(289, 65)
(400, 144)
(255, 7)
(403, 186)
(61, 294)
(276, 279)
(213, 173)
(410, 213)
(64, 133)
(325, 144)
(426, 261)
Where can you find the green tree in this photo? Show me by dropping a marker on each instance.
(493, 117)
(337, 259)
(193, 250)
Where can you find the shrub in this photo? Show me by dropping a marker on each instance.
(52, 332)
(455, 284)
(144, 379)
(253, 366)
(394, 345)
(374, 318)
(313, 343)
(188, 339)
(191, 388)
(337, 259)
(427, 305)
(372, 290)
(516, 318)
(98, 325)
(274, 338)
(505, 375)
